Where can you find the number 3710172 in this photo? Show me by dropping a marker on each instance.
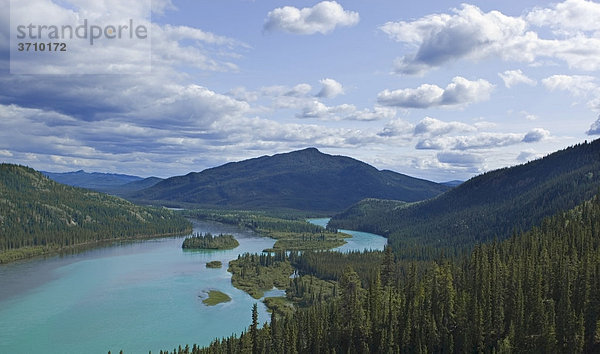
(41, 47)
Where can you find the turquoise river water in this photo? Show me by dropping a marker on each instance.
(135, 296)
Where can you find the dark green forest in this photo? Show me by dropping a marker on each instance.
(209, 242)
(289, 228)
(536, 292)
(306, 180)
(38, 215)
(492, 205)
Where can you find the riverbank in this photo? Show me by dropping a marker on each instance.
(25, 253)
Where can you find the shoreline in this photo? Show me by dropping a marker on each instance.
(28, 253)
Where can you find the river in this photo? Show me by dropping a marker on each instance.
(133, 296)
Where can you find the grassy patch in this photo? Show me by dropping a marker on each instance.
(214, 264)
(24, 253)
(302, 241)
(280, 305)
(216, 297)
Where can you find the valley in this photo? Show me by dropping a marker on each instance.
(505, 261)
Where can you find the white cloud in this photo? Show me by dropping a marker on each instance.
(330, 89)
(459, 159)
(442, 37)
(377, 113)
(514, 77)
(594, 128)
(570, 16)
(191, 106)
(528, 116)
(397, 128)
(299, 90)
(323, 18)
(164, 46)
(483, 140)
(472, 34)
(435, 127)
(536, 135)
(528, 155)
(317, 109)
(576, 84)
(580, 86)
(460, 92)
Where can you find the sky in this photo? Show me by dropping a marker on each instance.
(440, 90)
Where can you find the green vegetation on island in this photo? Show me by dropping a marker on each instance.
(39, 216)
(290, 230)
(256, 274)
(216, 297)
(209, 242)
(214, 264)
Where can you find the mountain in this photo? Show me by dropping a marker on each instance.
(302, 180)
(494, 204)
(101, 182)
(452, 183)
(38, 215)
(131, 187)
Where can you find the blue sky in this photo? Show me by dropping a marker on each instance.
(440, 90)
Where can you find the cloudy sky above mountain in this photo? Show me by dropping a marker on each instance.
(441, 90)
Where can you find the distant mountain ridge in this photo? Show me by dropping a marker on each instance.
(113, 183)
(303, 180)
(493, 204)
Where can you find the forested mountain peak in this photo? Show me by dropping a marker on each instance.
(304, 180)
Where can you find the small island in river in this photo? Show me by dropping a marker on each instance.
(216, 297)
(209, 242)
(214, 264)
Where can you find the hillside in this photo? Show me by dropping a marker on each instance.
(38, 215)
(97, 181)
(490, 205)
(125, 189)
(537, 292)
(301, 180)
(364, 214)
(116, 184)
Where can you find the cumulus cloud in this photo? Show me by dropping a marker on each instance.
(473, 34)
(594, 128)
(536, 135)
(482, 140)
(397, 128)
(577, 84)
(435, 127)
(317, 109)
(460, 92)
(568, 17)
(443, 37)
(528, 155)
(580, 86)
(322, 18)
(164, 44)
(459, 158)
(377, 113)
(330, 89)
(514, 77)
